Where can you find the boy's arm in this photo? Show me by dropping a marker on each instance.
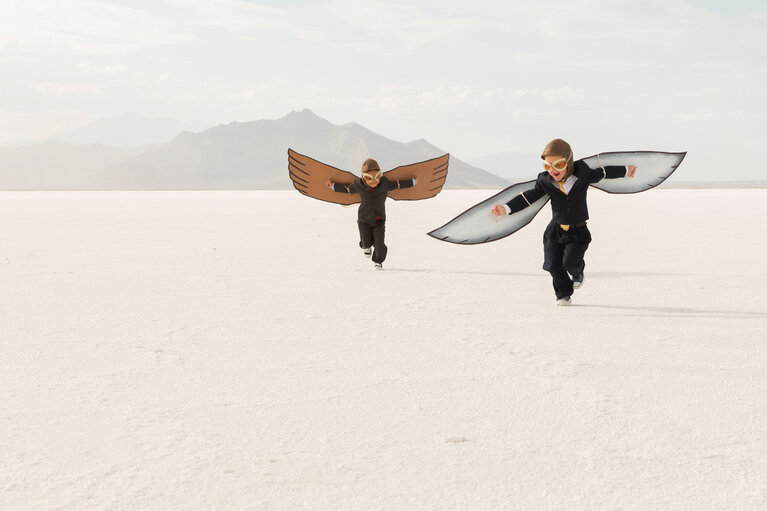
(524, 199)
(519, 202)
(612, 172)
(341, 188)
(402, 183)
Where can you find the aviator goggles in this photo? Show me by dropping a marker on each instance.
(560, 164)
(371, 178)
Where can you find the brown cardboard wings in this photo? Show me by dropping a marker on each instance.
(310, 177)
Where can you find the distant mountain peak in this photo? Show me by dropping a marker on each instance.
(305, 118)
(305, 113)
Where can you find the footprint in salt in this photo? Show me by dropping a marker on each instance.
(455, 440)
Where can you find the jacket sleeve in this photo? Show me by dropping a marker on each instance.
(526, 198)
(607, 172)
(400, 183)
(345, 188)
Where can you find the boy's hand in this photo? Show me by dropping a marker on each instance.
(498, 210)
(631, 170)
(415, 181)
(329, 184)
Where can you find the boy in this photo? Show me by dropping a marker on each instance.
(373, 188)
(566, 238)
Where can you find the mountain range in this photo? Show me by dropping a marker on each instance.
(248, 155)
(129, 130)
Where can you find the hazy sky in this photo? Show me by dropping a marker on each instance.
(472, 77)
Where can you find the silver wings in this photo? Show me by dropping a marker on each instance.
(477, 225)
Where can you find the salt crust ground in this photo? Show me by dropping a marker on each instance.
(234, 350)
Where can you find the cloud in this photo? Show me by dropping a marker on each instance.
(92, 27)
(239, 16)
(389, 27)
(390, 97)
(89, 27)
(394, 99)
(98, 69)
(67, 88)
(694, 116)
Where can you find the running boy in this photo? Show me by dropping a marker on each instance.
(373, 188)
(566, 238)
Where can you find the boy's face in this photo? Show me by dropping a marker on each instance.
(372, 178)
(556, 166)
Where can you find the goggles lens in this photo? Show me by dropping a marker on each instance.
(560, 164)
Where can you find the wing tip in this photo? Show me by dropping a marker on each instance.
(434, 235)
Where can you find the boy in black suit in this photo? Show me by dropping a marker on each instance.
(373, 188)
(566, 238)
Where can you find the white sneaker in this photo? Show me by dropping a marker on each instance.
(378, 266)
(367, 252)
(578, 281)
(564, 301)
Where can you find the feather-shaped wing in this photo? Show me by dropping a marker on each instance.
(431, 176)
(477, 225)
(310, 177)
(653, 168)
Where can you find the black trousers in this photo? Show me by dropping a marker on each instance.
(563, 253)
(373, 236)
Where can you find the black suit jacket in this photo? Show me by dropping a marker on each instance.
(372, 200)
(570, 208)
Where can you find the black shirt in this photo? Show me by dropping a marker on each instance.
(372, 200)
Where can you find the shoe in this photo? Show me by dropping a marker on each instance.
(367, 251)
(578, 281)
(564, 301)
(378, 266)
